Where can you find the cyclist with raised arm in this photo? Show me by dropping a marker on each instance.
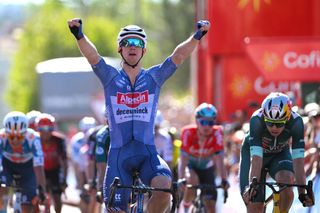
(202, 152)
(21, 157)
(273, 128)
(131, 97)
(55, 158)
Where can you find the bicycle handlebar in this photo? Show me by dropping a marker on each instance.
(144, 189)
(254, 185)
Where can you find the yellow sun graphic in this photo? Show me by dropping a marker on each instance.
(240, 86)
(256, 3)
(270, 61)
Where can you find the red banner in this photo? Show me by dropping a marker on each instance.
(243, 85)
(286, 58)
(233, 20)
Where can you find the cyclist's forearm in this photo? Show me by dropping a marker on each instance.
(256, 166)
(40, 176)
(91, 171)
(182, 166)
(101, 170)
(88, 50)
(220, 165)
(298, 166)
(184, 50)
(64, 167)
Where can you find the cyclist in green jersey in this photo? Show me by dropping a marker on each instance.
(274, 128)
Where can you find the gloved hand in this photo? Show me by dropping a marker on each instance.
(225, 184)
(63, 186)
(92, 185)
(41, 193)
(3, 179)
(84, 195)
(202, 29)
(99, 196)
(75, 26)
(306, 199)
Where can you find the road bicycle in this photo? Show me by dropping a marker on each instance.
(15, 202)
(198, 204)
(138, 192)
(276, 189)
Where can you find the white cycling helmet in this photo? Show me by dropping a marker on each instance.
(87, 123)
(15, 123)
(132, 31)
(276, 107)
(31, 116)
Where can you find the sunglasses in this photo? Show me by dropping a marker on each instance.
(278, 124)
(132, 42)
(45, 129)
(206, 122)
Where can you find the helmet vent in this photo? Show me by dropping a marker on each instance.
(133, 33)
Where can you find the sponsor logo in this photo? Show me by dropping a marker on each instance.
(117, 197)
(132, 100)
(293, 60)
(201, 152)
(99, 151)
(132, 111)
(270, 61)
(263, 88)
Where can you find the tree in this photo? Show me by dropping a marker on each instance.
(45, 36)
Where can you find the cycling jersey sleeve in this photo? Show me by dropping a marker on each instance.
(162, 72)
(63, 149)
(298, 143)
(256, 129)
(219, 146)
(105, 72)
(38, 159)
(102, 145)
(184, 144)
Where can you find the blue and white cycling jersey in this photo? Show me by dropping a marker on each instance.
(29, 149)
(130, 108)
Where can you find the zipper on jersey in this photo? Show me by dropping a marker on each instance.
(274, 143)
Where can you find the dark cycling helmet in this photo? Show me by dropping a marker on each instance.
(132, 31)
(45, 122)
(276, 106)
(15, 123)
(206, 110)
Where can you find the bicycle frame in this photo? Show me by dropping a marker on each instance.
(138, 191)
(199, 202)
(17, 201)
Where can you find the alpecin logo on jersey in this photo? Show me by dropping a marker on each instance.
(132, 100)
